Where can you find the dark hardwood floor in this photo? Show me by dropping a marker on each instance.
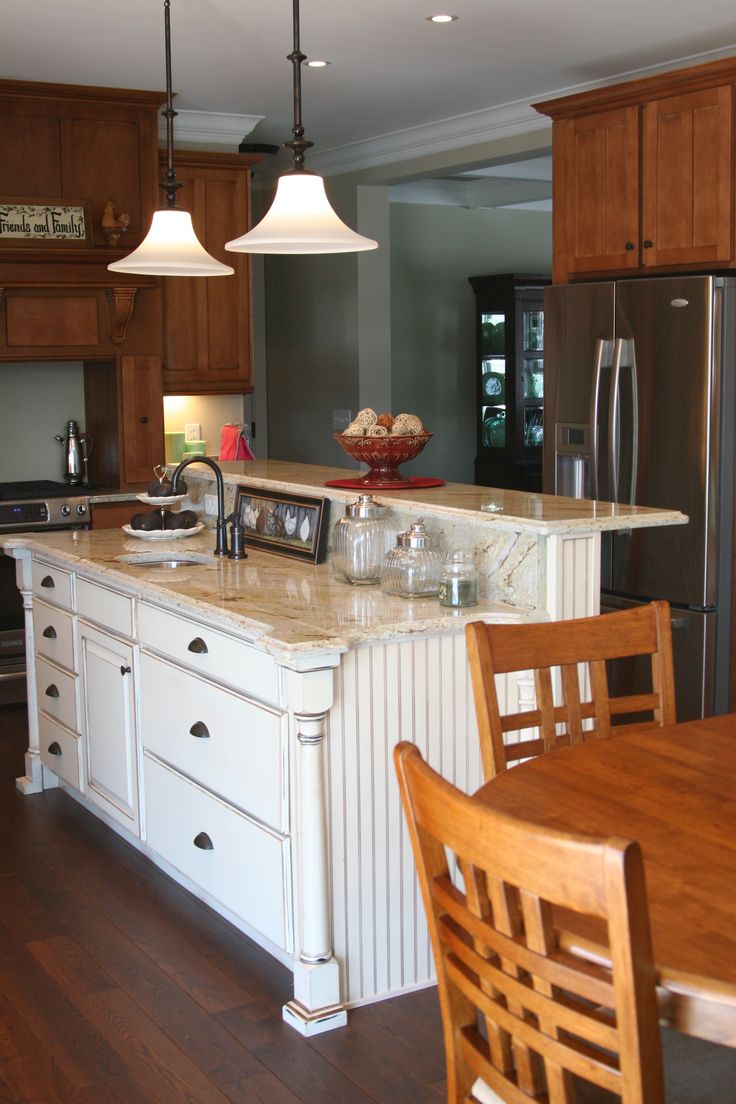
(118, 986)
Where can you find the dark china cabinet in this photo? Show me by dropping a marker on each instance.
(509, 372)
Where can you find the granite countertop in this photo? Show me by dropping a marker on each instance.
(286, 605)
(518, 511)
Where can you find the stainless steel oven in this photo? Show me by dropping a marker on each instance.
(27, 506)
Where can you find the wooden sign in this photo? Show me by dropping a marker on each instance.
(44, 221)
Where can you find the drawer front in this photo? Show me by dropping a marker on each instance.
(105, 607)
(51, 584)
(243, 866)
(60, 751)
(209, 652)
(53, 631)
(57, 693)
(221, 741)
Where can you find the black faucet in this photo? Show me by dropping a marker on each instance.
(221, 541)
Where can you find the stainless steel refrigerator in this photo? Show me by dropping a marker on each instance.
(640, 408)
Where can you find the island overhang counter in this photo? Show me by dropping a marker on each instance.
(235, 719)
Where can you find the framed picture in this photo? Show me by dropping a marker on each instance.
(40, 221)
(288, 524)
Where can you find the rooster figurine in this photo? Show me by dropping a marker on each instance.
(114, 226)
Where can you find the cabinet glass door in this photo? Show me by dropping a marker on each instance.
(493, 379)
(532, 328)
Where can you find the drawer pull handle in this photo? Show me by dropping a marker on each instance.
(52, 691)
(198, 645)
(54, 749)
(49, 632)
(124, 670)
(203, 842)
(200, 730)
(47, 581)
(648, 243)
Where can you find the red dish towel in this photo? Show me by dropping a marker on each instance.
(234, 444)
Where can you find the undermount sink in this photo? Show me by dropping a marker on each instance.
(165, 561)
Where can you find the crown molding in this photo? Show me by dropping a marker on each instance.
(217, 128)
(446, 134)
(477, 127)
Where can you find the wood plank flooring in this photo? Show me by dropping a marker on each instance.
(119, 987)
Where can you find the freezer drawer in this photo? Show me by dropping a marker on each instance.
(693, 648)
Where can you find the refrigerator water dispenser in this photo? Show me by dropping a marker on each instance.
(572, 460)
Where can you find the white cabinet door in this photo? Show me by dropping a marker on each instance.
(108, 725)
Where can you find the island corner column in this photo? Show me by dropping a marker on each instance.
(316, 1006)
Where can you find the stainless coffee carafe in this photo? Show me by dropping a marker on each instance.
(77, 450)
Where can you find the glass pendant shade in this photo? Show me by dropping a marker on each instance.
(171, 248)
(301, 220)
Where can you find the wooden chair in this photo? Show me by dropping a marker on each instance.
(498, 649)
(522, 1018)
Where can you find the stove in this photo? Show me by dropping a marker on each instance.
(33, 505)
(42, 504)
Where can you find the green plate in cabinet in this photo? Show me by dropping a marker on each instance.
(493, 387)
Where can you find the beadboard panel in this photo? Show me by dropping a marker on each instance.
(415, 690)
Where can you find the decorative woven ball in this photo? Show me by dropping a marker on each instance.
(385, 420)
(354, 430)
(366, 417)
(407, 423)
(376, 431)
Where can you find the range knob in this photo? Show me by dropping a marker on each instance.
(65, 510)
(81, 508)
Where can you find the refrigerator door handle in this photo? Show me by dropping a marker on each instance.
(634, 425)
(594, 401)
(613, 418)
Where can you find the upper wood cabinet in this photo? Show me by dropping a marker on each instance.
(643, 175)
(207, 321)
(64, 142)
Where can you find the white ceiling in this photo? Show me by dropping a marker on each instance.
(395, 83)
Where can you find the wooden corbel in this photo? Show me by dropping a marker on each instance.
(114, 226)
(120, 302)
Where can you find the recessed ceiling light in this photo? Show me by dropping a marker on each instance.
(442, 18)
(318, 64)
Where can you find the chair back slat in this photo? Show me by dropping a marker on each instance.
(521, 1010)
(569, 660)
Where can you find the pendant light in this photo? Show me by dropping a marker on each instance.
(300, 219)
(170, 248)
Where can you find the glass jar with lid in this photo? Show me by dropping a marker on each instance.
(412, 568)
(359, 542)
(459, 581)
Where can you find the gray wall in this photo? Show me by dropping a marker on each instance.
(328, 320)
(37, 400)
(433, 252)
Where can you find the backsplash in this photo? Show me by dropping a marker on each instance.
(37, 399)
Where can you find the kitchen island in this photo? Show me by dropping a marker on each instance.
(235, 719)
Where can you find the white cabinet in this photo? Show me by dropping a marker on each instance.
(56, 682)
(108, 724)
(238, 863)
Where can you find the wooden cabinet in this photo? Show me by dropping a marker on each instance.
(207, 324)
(509, 372)
(643, 175)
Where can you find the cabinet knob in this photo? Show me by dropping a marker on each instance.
(49, 632)
(647, 243)
(47, 581)
(143, 419)
(203, 842)
(52, 691)
(200, 730)
(54, 749)
(198, 646)
(124, 670)
(629, 246)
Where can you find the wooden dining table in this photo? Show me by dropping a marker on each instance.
(674, 790)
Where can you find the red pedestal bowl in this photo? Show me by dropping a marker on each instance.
(383, 456)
